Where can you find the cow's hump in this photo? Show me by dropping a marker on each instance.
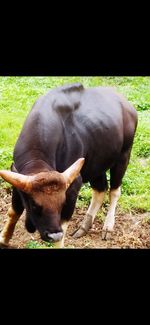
(67, 98)
(76, 87)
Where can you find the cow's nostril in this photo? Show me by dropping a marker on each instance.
(54, 237)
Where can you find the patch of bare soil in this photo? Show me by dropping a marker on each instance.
(131, 231)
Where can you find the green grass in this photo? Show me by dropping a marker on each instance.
(33, 244)
(18, 94)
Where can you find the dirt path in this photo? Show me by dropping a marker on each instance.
(131, 231)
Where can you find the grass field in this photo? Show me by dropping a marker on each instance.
(17, 95)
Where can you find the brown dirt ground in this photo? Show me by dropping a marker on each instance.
(131, 231)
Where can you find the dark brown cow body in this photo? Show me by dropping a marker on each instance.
(66, 124)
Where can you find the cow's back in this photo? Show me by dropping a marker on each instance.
(71, 122)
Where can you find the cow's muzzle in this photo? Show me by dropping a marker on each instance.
(54, 237)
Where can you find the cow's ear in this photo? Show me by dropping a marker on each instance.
(20, 181)
(73, 171)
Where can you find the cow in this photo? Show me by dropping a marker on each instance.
(72, 135)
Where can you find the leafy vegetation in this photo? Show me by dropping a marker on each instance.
(33, 244)
(18, 94)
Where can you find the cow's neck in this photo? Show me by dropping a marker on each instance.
(34, 166)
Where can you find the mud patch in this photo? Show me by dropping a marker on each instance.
(131, 231)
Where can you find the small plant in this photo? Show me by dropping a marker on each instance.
(35, 245)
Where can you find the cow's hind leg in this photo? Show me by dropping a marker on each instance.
(116, 175)
(99, 187)
(14, 212)
(110, 218)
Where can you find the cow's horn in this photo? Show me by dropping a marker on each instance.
(20, 181)
(73, 171)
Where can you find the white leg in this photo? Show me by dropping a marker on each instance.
(96, 202)
(110, 218)
(60, 244)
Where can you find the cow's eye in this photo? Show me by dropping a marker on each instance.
(37, 209)
(34, 207)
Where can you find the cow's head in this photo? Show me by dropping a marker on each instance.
(43, 196)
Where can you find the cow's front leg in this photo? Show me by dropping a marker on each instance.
(9, 227)
(110, 218)
(96, 202)
(60, 244)
(14, 212)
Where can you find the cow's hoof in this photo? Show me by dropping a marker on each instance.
(3, 246)
(2, 242)
(79, 233)
(106, 234)
(84, 228)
